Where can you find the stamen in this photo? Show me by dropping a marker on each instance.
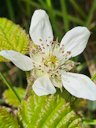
(69, 52)
(39, 65)
(63, 51)
(40, 39)
(43, 47)
(42, 44)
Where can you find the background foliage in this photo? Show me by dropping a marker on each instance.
(64, 15)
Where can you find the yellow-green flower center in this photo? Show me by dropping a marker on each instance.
(51, 60)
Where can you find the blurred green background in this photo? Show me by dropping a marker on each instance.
(64, 15)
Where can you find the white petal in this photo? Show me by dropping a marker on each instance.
(79, 85)
(75, 40)
(21, 61)
(43, 86)
(40, 28)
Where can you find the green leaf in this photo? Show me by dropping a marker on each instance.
(11, 99)
(93, 77)
(92, 105)
(90, 122)
(7, 119)
(48, 112)
(12, 37)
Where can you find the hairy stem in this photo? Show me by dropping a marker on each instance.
(30, 80)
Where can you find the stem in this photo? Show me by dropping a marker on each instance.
(75, 20)
(78, 8)
(30, 80)
(89, 122)
(10, 9)
(32, 3)
(49, 3)
(70, 17)
(93, 77)
(92, 10)
(28, 91)
(65, 15)
(9, 86)
(28, 9)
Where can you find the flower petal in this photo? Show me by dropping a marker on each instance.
(43, 86)
(21, 61)
(75, 41)
(40, 28)
(79, 85)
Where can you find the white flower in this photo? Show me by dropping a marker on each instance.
(49, 61)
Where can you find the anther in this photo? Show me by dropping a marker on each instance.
(41, 44)
(69, 52)
(43, 47)
(52, 42)
(50, 70)
(40, 39)
(39, 65)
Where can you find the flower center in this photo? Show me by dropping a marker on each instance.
(51, 61)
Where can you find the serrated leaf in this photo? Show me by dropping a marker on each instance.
(11, 99)
(12, 37)
(7, 119)
(48, 112)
